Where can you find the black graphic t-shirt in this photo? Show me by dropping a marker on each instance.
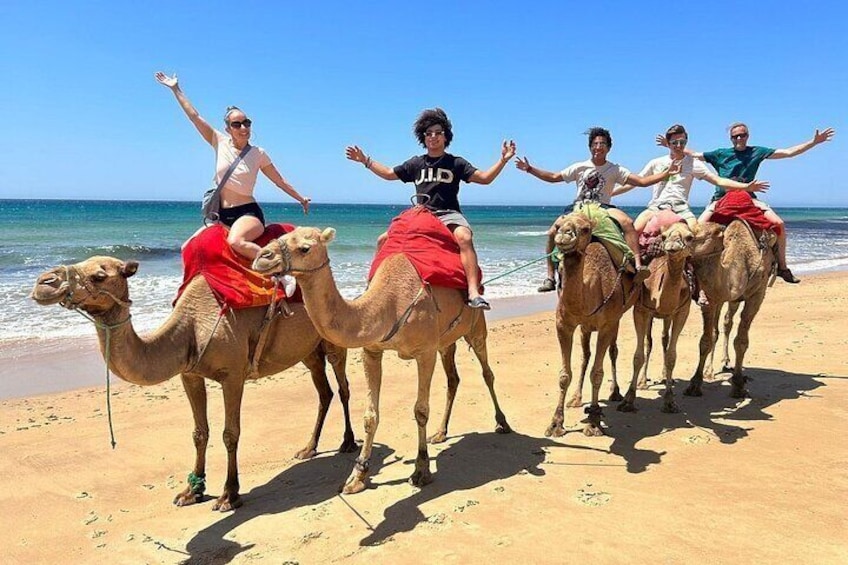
(437, 177)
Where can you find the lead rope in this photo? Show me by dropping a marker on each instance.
(108, 329)
(518, 268)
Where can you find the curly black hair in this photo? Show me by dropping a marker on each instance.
(432, 117)
(599, 132)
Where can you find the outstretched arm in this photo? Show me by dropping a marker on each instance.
(663, 142)
(523, 164)
(637, 180)
(622, 188)
(355, 153)
(727, 184)
(204, 128)
(818, 137)
(274, 176)
(486, 177)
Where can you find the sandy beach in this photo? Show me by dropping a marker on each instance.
(723, 481)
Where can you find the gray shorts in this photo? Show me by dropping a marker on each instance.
(679, 207)
(451, 218)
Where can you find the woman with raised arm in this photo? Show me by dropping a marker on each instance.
(239, 210)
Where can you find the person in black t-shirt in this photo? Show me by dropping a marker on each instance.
(436, 174)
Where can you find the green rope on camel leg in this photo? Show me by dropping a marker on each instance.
(197, 484)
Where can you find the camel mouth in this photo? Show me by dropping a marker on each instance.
(49, 289)
(565, 242)
(267, 263)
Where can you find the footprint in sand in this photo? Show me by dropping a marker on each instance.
(592, 498)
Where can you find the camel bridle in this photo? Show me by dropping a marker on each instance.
(286, 260)
(73, 281)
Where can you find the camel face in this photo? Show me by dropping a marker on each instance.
(677, 238)
(574, 234)
(708, 239)
(94, 285)
(301, 250)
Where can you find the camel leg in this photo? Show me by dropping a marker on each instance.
(233, 389)
(615, 392)
(426, 364)
(709, 317)
(642, 323)
(740, 344)
(732, 307)
(481, 351)
(642, 381)
(315, 362)
(576, 400)
(337, 356)
(448, 356)
(195, 389)
(566, 341)
(593, 427)
(670, 356)
(373, 364)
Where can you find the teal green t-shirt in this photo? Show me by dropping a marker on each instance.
(735, 165)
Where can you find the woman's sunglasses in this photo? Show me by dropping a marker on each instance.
(238, 124)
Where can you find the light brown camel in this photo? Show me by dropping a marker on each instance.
(595, 295)
(665, 294)
(396, 313)
(732, 266)
(98, 286)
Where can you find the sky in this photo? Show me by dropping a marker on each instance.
(84, 118)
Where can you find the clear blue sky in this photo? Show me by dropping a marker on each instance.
(84, 117)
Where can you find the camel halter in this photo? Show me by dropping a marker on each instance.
(67, 302)
(283, 251)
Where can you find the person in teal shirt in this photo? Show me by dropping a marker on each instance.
(740, 163)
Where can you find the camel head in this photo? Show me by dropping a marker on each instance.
(709, 238)
(95, 285)
(300, 251)
(677, 238)
(574, 233)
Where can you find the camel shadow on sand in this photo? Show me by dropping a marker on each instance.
(306, 483)
(713, 416)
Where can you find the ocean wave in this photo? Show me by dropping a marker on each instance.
(829, 264)
(529, 233)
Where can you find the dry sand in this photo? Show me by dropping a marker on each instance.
(724, 481)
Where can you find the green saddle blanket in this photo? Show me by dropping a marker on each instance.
(606, 231)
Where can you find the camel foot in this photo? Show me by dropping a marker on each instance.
(693, 390)
(354, 484)
(438, 437)
(670, 408)
(642, 384)
(187, 498)
(575, 402)
(227, 502)
(591, 430)
(420, 478)
(615, 396)
(348, 445)
(555, 430)
(306, 453)
(503, 428)
(627, 406)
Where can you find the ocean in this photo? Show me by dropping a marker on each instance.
(40, 234)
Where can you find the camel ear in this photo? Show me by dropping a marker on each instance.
(129, 269)
(328, 235)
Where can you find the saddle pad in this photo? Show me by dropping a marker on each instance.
(606, 231)
(228, 274)
(428, 244)
(739, 204)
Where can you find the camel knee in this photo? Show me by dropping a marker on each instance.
(422, 414)
(564, 380)
(231, 439)
(370, 421)
(200, 437)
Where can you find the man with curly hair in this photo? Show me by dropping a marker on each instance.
(595, 178)
(436, 175)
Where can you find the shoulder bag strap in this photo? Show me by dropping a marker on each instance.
(233, 166)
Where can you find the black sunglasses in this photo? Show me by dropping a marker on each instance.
(237, 124)
(739, 136)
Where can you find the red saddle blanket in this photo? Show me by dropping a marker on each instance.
(655, 226)
(428, 244)
(229, 275)
(739, 204)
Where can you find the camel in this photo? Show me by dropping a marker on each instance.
(595, 295)
(733, 265)
(195, 343)
(397, 312)
(665, 294)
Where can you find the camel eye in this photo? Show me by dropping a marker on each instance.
(689, 237)
(305, 249)
(585, 229)
(99, 276)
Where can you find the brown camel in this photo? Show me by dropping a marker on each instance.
(665, 294)
(733, 265)
(190, 343)
(595, 295)
(397, 312)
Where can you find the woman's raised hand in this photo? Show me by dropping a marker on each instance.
(170, 82)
